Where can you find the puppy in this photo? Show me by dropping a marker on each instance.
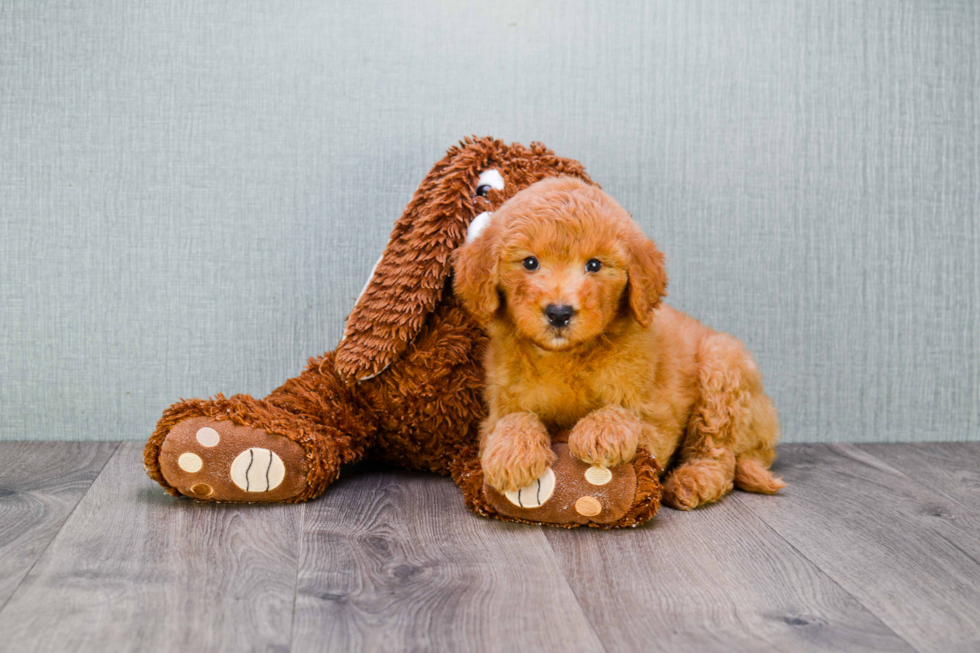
(570, 290)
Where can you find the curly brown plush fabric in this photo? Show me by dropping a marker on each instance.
(405, 384)
(315, 410)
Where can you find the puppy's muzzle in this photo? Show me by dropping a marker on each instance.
(559, 315)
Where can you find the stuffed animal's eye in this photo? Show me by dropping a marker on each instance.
(530, 263)
(489, 179)
(593, 265)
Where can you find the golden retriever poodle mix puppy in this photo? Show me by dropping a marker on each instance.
(570, 290)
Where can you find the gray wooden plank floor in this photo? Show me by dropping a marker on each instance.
(715, 579)
(909, 554)
(133, 569)
(394, 560)
(950, 468)
(869, 548)
(39, 487)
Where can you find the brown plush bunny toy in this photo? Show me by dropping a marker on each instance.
(404, 385)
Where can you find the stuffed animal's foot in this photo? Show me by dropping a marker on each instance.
(570, 492)
(217, 460)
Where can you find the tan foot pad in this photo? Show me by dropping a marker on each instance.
(570, 492)
(217, 460)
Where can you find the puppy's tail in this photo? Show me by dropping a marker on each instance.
(752, 475)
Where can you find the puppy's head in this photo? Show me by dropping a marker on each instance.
(560, 261)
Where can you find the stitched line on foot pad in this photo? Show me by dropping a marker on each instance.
(251, 458)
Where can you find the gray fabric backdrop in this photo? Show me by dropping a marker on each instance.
(192, 194)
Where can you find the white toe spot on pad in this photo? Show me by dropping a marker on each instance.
(258, 470)
(190, 462)
(208, 437)
(476, 227)
(536, 494)
(598, 475)
(490, 178)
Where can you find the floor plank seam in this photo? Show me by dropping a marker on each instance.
(932, 488)
(564, 577)
(60, 528)
(299, 563)
(823, 571)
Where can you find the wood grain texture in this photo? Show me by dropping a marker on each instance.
(856, 554)
(133, 569)
(393, 561)
(908, 553)
(40, 484)
(715, 579)
(950, 468)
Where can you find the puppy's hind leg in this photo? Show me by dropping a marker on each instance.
(707, 464)
(752, 464)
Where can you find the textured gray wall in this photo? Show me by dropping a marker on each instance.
(192, 194)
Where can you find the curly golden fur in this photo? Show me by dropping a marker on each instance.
(570, 290)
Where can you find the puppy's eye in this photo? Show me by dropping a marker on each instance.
(593, 265)
(482, 190)
(530, 263)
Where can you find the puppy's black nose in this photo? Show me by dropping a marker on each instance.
(559, 315)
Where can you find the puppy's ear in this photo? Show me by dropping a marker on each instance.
(475, 274)
(647, 275)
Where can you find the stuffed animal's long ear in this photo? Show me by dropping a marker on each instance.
(411, 276)
(647, 277)
(475, 274)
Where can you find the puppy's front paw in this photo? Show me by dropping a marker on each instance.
(605, 437)
(517, 452)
